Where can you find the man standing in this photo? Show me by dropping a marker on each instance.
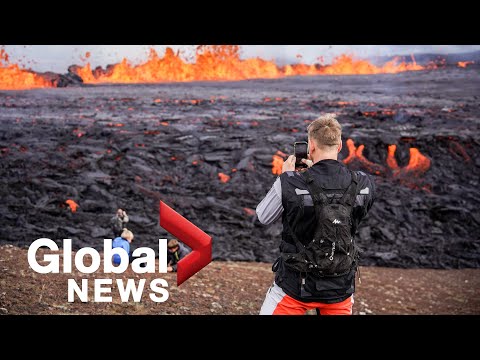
(321, 209)
(119, 221)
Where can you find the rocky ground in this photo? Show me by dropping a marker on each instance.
(234, 288)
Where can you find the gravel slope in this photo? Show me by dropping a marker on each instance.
(235, 288)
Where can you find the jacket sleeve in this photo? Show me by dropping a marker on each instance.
(270, 208)
(183, 252)
(365, 198)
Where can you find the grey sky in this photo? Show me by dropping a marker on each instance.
(58, 57)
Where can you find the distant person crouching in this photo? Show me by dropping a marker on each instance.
(123, 242)
(176, 252)
(118, 222)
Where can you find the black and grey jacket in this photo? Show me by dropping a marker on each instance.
(334, 177)
(174, 258)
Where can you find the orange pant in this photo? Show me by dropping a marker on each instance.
(279, 303)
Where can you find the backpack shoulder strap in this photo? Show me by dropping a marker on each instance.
(350, 195)
(316, 192)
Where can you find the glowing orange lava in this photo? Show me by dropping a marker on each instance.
(12, 77)
(277, 164)
(391, 161)
(212, 62)
(355, 153)
(224, 178)
(464, 64)
(223, 62)
(418, 163)
(249, 212)
(73, 205)
(378, 113)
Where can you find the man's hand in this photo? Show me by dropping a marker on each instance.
(170, 269)
(289, 164)
(307, 162)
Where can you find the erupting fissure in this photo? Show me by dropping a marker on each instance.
(418, 163)
(212, 63)
(13, 77)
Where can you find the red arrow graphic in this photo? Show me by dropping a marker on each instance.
(195, 238)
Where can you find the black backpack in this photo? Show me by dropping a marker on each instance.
(332, 251)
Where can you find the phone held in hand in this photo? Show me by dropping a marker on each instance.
(300, 150)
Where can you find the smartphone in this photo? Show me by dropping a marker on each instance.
(300, 150)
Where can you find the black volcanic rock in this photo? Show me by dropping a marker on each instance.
(113, 146)
(58, 80)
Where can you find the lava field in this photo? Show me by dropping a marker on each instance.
(69, 157)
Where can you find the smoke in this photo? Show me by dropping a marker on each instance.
(57, 58)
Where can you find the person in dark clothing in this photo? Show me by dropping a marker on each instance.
(119, 221)
(321, 208)
(176, 252)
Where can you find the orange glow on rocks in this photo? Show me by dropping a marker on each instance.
(277, 164)
(464, 64)
(224, 178)
(355, 153)
(249, 212)
(418, 163)
(73, 205)
(391, 161)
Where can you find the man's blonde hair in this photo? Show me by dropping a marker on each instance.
(127, 234)
(326, 131)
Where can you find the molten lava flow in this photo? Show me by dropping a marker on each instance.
(355, 153)
(277, 164)
(73, 205)
(351, 151)
(418, 163)
(464, 64)
(378, 113)
(391, 161)
(12, 77)
(347, 65)
(224, 178)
